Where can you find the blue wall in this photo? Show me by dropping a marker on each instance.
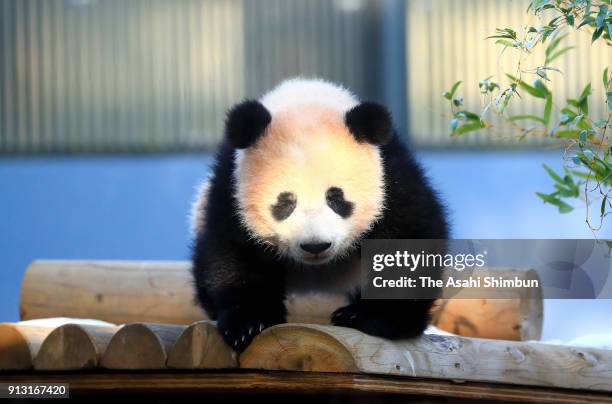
(135, 207)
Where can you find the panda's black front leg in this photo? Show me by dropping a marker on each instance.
(244, 298)
(392, 319)
(245, 319)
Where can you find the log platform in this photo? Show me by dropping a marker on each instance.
(149, 354)
(317, 348)
(282, 384)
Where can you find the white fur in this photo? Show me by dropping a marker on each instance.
(300, 91)
(196, 215)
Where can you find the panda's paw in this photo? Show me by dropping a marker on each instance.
(377, 322)
(238, 328)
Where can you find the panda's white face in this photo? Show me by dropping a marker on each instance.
(307, 187)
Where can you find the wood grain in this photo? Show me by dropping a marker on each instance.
(162, 292)
(115, 291)
(200, 346)
(141, 346)
(431, 356)
(516, 314)
(19, 344)
(298, 347)
(302, 383)
(73, 347)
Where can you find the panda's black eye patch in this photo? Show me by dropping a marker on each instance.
(335, 200)
(284, 206)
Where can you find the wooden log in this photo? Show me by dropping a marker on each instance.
(19, 344)
(338, 349)
(509, 319)
(115, 291)
(517, 314)
(201, 346)
(141, 346)
(298, 347)
(73, 347)
(162, 292)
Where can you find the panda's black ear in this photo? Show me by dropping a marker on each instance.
(245, 123)
(370, 122)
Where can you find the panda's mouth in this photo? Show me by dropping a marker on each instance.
(315, 259)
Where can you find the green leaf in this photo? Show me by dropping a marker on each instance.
(539, 90)
(596, 34)
(527, 117)
(605, 77)
(454, 88)
(549, 59)
(506, 42)
(586, 91)
(553, 200)
(552, 174)
(602, 209)
(564, 207)
(548, 109)
(470, 116)
(537, 5)
(468, 127)
(583, 102)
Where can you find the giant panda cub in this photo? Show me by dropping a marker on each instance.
(303, 175)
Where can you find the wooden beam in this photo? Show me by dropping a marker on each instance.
(73, 347)
(162, 292)
(336, 384)
(200, 346)
(338, 349)
(141, 346)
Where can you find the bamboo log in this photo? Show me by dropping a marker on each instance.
(123, 292)
(141, 346)
(73, 347)
(338, 349)
(19, 344)
(200, 346)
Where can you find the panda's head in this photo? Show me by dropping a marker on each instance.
(309, 175)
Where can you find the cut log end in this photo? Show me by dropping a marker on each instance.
(141, 346)
(200, 346)
(14, 347)
(19, 344)
(297, 347)
(73, 347)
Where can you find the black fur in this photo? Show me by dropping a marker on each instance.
(335, 200)
(246, 123)
(284, 207)
(242, 285)
(370, 122)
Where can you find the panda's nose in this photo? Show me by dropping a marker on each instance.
(315, 248)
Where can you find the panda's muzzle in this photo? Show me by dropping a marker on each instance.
(315, 248)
